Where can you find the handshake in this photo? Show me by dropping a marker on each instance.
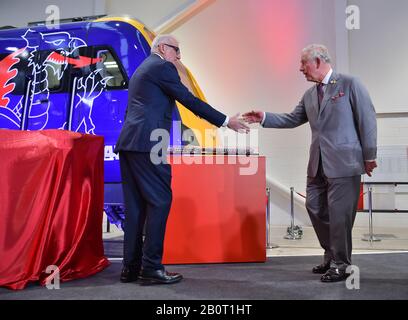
(239, 124)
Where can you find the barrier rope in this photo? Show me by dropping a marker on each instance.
(303, 196)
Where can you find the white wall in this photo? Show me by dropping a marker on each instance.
(379, 51)
(152, 13)
(19, 12)
(245, 55)
(378, 55)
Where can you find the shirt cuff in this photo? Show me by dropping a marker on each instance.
(226, 121)
(263, 119)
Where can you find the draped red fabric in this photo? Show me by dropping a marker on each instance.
(51, 205)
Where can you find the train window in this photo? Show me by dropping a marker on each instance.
(109, 68)
(53, 65)
(81, 63)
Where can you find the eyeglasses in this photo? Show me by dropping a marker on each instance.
(177, 49)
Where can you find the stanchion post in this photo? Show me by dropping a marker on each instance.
(371, 236)
(293, 232)
(269, 245)
(292, 210)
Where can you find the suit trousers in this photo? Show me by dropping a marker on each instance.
(148, 196)
(332, 204)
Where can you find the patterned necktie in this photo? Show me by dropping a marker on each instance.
(320, 93)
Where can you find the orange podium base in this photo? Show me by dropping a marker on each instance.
(218, 210)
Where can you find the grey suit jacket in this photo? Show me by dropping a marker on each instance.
(344, 131)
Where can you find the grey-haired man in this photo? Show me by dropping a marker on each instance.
(344, 146)
(153, 91)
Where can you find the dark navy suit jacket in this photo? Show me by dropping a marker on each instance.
(153, 91)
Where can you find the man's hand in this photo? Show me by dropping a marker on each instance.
(253, 116)
(236, 124)
(369, 166)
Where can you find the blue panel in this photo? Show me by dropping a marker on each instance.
(65, 88)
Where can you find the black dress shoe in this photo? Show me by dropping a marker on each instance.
(334, 275)
(129, 274)
(159, 277)
(321, 268)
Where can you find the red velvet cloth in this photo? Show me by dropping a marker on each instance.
(51, 205)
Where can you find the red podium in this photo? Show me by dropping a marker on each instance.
(51, 205)
(218, 210)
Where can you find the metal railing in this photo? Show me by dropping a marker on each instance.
(371, 237)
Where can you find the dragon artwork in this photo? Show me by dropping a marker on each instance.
(61, 49)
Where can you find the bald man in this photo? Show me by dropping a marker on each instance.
(153, 91)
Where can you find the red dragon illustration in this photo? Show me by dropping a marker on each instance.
(7, 73)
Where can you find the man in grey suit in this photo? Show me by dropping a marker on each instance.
(344, 146)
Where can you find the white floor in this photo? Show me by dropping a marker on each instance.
(392, 240)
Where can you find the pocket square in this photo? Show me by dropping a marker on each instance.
(339, 95)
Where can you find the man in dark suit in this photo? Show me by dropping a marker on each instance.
(153, 91)
(344, 145)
